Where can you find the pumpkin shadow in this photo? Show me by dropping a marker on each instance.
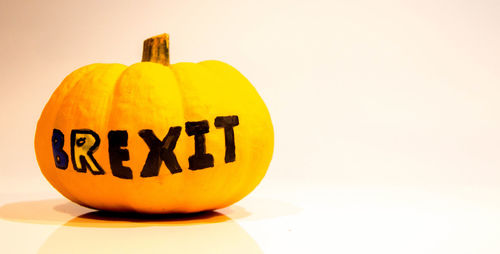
(84, 230)
(104, 219)
(61, 211)
(48, 211)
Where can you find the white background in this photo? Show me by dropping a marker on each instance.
(386, 118)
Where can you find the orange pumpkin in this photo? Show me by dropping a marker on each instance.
(154, 137)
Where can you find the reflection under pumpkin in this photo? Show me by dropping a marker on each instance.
(101, 232)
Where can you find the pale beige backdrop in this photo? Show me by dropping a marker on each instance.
(371, 101)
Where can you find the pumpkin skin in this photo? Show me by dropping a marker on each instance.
(155, 96)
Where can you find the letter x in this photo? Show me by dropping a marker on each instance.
(160, 151)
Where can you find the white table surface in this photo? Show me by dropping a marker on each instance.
(273, 219)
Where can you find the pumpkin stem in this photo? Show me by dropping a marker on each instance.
(156, 50)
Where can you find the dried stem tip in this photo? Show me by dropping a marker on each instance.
(156, 50)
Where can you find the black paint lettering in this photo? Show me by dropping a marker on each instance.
(200, 159)
(83, 144)
(161, 151)
(228, 122)
(60, 156)
(117, 155)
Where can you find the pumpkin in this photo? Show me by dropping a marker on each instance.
(154, 137)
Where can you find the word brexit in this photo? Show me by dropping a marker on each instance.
(84, 143)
